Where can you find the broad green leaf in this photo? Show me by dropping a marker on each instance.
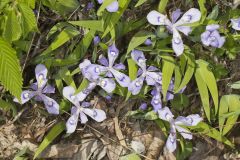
(167, 72)
(10, 70)
(228, 103)
(132, 72)
(3, 4)
(140, 2)
(96, 25)
(12, 30)
(203, 91)
(28, 19)
(138, 39)
(162, 5)
(204, 129)
(29, 3)
(209, 79)
(53, 133)
(62, 6)
(132, 156)
(189, 71)
(203, 9)
(62, 38)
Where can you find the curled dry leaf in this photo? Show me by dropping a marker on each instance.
(156, 146)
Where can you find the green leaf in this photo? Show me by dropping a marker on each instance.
(132, 72)
(83, 85)
(103, 6)
(28, 19)
(162, 5)
(3, 4)
(12, 30)
(65, 75)
(10, 75)
(138, 39)
(96, 25)
(203, 91)
(62, 38)
(81, 49)
(189, 71)
(140, 2)
(228, 103)
(132, 156)
(204, 129)
(235, 85)
(214, 14)
(202, 72)
(203, 9)
(53, 133)
(180, 101)
(8, 106)
(167, 72)
(62, 6)
(114, 17)
(151, 115)
(29, 3)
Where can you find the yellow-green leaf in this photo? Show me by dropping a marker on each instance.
(54, 132)
(10, 70)
(167, 72)
(12, 30)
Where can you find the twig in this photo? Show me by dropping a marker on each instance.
(34, 34)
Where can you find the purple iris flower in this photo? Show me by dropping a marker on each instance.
(90, 5)
(96, 40)
(80, 109)
(236, 24)
(113, 7)
(108, 69)
(156, 93)
(191, 16)
(39, 89)
(108, 84)
(211, 36)
(149, 74)
(176, 125)
(143, 106)
(148, 42)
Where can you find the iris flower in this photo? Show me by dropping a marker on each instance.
(149, 74)
(156, 93)
(182, 25)
(176, 125)
(211, 36)
(39, 89)
(236, 24)
(109, 69)
(80, 109)
(108, 84)
(113, 7)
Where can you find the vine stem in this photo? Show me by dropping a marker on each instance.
(31, 43)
